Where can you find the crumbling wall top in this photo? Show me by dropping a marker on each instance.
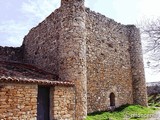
(11, 53)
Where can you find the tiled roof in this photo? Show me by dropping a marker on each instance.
(4, 79)
(13, 72)
(24, 71)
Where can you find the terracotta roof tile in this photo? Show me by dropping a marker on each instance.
(4, 79)
(13, 72)
(24, 70)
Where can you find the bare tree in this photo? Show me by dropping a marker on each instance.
(150, 30)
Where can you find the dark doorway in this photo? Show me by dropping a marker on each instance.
(112, 99)
(43, 103)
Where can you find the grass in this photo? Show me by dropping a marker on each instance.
(130, 112)
(154, 100)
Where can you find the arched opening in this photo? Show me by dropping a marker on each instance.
(112, 99)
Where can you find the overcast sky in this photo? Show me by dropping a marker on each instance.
(17, 17)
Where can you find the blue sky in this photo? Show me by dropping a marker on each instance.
(17, 17)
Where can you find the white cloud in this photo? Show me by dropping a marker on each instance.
(11, 26)
(151, 76)
(149, 8)
(90, 3)
(13, 31)
(39, 9)
(15, 41)
(126, 11)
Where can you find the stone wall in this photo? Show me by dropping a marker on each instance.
(62, 103)
(153, 88)
(108, 62)
(72, 51)
(41, 43)
(18, 102)
(137, 67)
(93, 51)
(11, 54)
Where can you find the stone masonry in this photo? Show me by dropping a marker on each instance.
(136, 56)
(101, 57)
(11, 53)
(18, 102)
(63, 103)
(108, 62)
(19, 99)
(153, 88)
(72, 51)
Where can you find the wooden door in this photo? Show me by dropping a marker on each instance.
(43, 103)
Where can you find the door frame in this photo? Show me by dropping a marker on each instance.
(43, 103)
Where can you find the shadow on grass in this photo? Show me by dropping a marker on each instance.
(119, 109)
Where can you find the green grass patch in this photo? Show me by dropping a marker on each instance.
(131, 112)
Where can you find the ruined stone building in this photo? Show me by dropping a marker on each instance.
(74, 62)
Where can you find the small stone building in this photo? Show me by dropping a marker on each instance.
(29, 93)
(74, 62)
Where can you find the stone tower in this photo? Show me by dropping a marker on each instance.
(100, 56)
(72, 51)
(136, 56)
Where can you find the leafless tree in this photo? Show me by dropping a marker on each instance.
(150, 31)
